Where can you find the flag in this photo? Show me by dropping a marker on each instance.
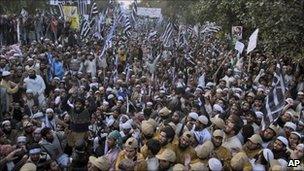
(94, 9)
(134, 11)
(239, 46)
(252, 41)
(275, 100)
(85, 29)
(182, 41)
(60, 6)
(24, 13)
(127, 27)
(166, 37)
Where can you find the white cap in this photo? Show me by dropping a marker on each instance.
(120, 98)
(215, 164)
(109, 89)
(149, 103)
(291, 125)
(193, 115)
(218, 108)
(110, 96)
(259, 114)
(126, 125)
(29, 91)
(105, 103)
(6, 73)
(21, 139)
(203, 119)
(296, 133)
(268, 155)
(49, 110)
(301, 146)
(283, 140)
(219, 90)
(5, 122)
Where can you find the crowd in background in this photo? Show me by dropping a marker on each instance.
(141, 106)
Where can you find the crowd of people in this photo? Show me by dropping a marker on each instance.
(143, 106)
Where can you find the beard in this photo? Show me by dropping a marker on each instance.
(50, 117)
(78, 110)
(183, 146)
(163, 143)
(32, 76)
(7, 131)
(266, 139)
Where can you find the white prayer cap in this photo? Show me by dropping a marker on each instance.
(283, 140)
(6, 122)
(110, 96)
(219, 90)
(162, 91)
(29, 91)
(218, 108)
(258, 167)
(21, 139)
(109, 89)
(268, 155)
(105, 103)
(259, 114)
(126, 125)
(37, 130)
(120, 98)
(49, 110)
(57, 89)
(291, 125)
(203, 119)
(6, 73)
(238, 90)
(296, 133)
(301, 93)
(30, 59)
(56, 78)
(149, 103)
(16, 55)
(193, 115)
(215, 164)
(289, 100)
(301, 146)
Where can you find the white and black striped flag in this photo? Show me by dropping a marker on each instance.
(127, 26)
(182, 41)
(94, 9)
(60, 6)
(85, 29)
(166, 37)
(134, 11)
(275, 99)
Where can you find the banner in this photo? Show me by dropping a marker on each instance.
(149, 12)
(71, 16)
(239, 46)
(252, 41)
(237, 32)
